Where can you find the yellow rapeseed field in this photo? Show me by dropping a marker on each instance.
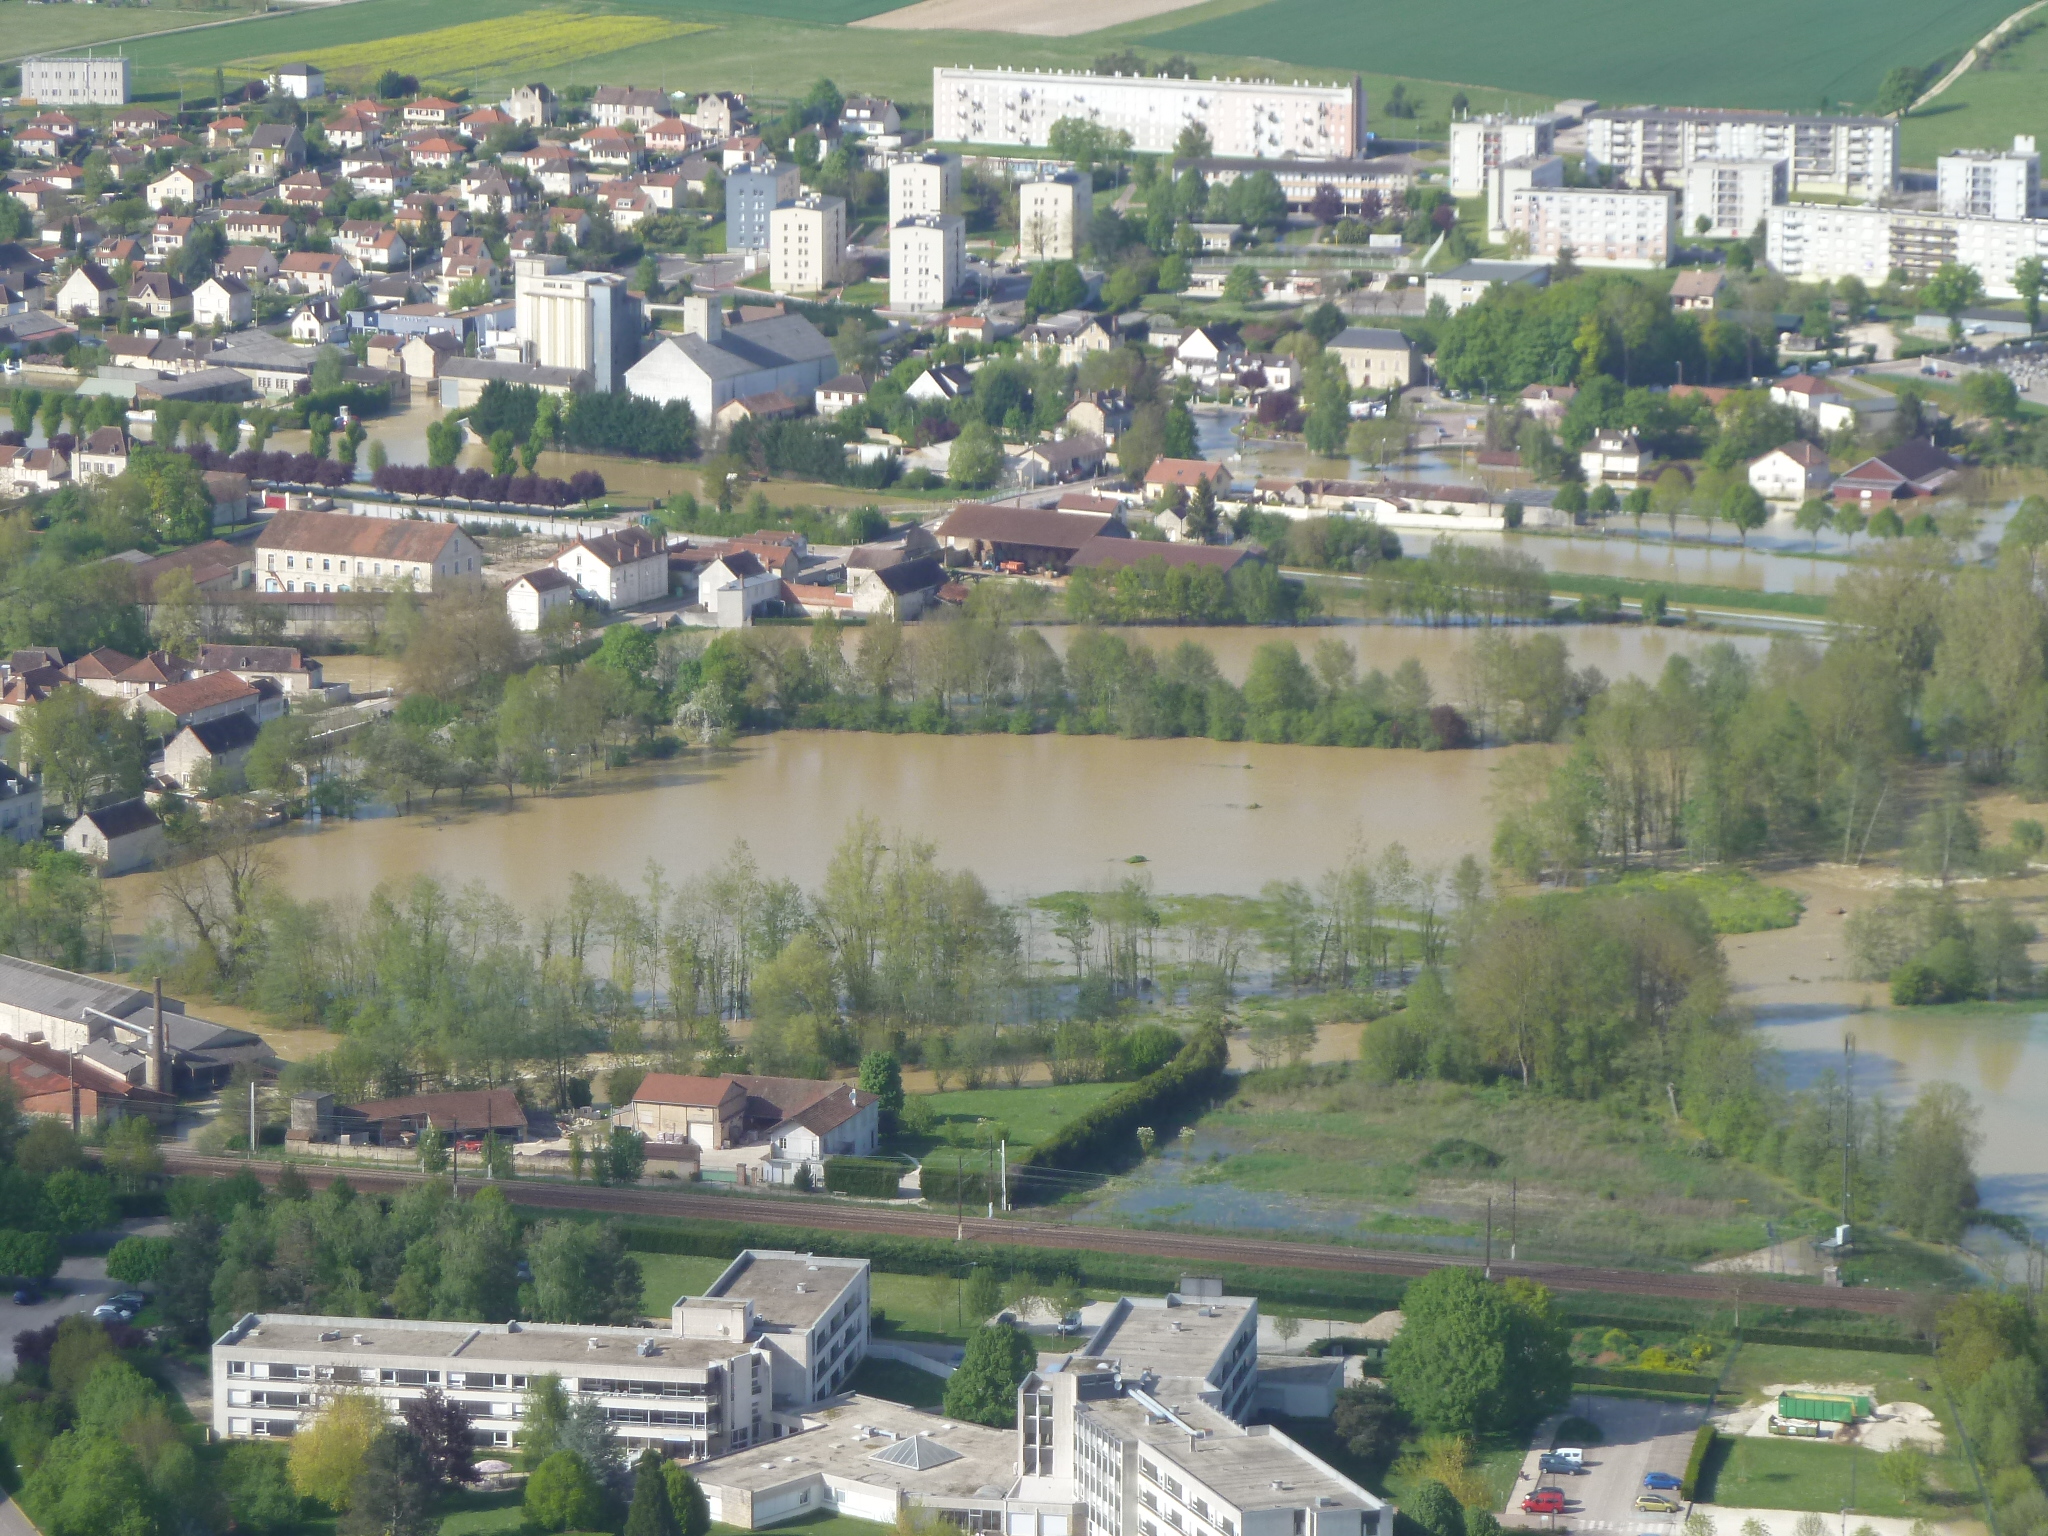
(530, 44)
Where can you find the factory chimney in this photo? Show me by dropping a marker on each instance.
(154, 1072)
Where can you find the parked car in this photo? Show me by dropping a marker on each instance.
(107, 1312)
(1669, 1480)
(27, 1296)
(1657, 1504)
(1570, 1454)
(132, 1301)
(1544, 1501)
(1550, 1461)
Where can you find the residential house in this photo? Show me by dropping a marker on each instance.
(617, 570)
(89, 290)
(379, 179)
(466, 259)
(275, 150)
(433, 112)
(33, 469)
(710, 363)
(188, 186)
(159, 295)
(258, 228)
(1054, 462)
(211, 753)
(1023, 538)
(735, 586)
(284, 665)
(169, 234)
(717, 1114)
(336, 552)
(302, 82)
(902, 590)
(1168, 477)
(1377, 360)
(1697, 288)
(225, 132)
(139, 122)
(529, 599)
(325, 272)
(1100, 413)
(349, 131)
(318, 322)
(608, 146)
(1791, 472)
(1615, 454)
(1466, 284)
(196, 700)
(118, 838)
(1547, 403)
(101, 455)
(1203, 354)
(482, 123)
(371, 246)
(870, 116)
(21, 805)
(771, 406)
(840, 393)
(439, 152)
(38, 144)
(616, 106)
(488, 191)
(1915, 468)
(531, 105)
(308, 189)
(719, 113)
(672, 136)
(255, 265)
(223, 301)
(940, 383)
(1805, 393)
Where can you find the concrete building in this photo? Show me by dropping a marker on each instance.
(752, 192)
(301, 82)
(710, 363)
(1652, 146)
(1266, 119)
(1505, 180)
(75, 80)
(807, 244)
(1376, 359)
(1825, 241)
(1481, 144)
(616, 570)
(337, 552)
(1601, 227)
(118, 838)
(1053, 215)
(771, 1336)
(113, 1024)
(1990, 183)
(582, 321)
(1467, 283)
(927, 259)
(532, 597)
(1732, 196)
(922, 184)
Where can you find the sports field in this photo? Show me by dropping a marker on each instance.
(1744, 53)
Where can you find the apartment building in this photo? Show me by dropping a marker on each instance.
(927, 260)
(1601, 227)
(339, 552)
(1504, 181)
(75, 80)
(775, 1332)
(922, 184)
(807, 244)
(1732, 195)
(1267, 119)
(1651, 147)
(1479, 144)
(752, 192)
(1990, 183)
(1815, 241)
(1053, 215)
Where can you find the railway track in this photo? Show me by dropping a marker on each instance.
(1190, 1248)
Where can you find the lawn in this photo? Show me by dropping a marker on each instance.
(482, 1514)
(1745, 1472)
(819, 1524)
(1986, 107)
(1678, 54)
(1891, 1378)
(1029, 1115)
(900, 1383)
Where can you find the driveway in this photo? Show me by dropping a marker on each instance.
(1637, 1436)
(81, 1285)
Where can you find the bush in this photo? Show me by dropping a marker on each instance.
(1702, 1447)
(139, 1260)
(1107, 1131)
(1682, 1382)
(874, 1177)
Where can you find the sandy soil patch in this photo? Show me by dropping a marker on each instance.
(1035, 18)
(1890, 1426)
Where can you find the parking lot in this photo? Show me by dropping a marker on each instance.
(1637, 1436)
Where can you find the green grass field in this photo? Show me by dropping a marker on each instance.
(1744, 1472)
(1986, 107)
(27, 29)
(1029, 1114)
(1892, 1378)
(1758, 54)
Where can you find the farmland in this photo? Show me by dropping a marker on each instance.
(1987, 106)
(535, 43)
(27, 29)
(1700, 55)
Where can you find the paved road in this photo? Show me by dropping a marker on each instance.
(1637, 1436)
(81, 1285)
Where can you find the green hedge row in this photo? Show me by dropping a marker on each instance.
(1106, 1133)
(966, 1187)
(1696, 1463)
(875, 1177)
(1804, 1338)
(1684, 1383)
(1832, 1330)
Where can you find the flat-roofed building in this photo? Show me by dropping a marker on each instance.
(76, 80)
(807, 244)
(1600, 226)
(1733, 196)
(1479, 144)
(922, 184)
(1848, 156)
(752, 193)
(810, 1313)
(1990, 183)
(1053, 215)
(927, 259)
(1826, 241)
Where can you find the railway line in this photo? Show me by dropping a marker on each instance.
(1190, 1248)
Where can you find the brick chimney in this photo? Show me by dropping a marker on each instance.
(154, 1072)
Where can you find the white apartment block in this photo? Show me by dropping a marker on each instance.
(75, 80)
(1732, 195)
(1265, 119)
(807, 244)
(922, 184)
(1816, 241)
(1601, 227)
(1504, 181)
(775, 1333)
(1479, 144)
(1652, 146)
(927, 260)
(1990, 184)
(1053, 215)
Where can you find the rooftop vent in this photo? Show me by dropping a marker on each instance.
(592, 1344)
(330, 1336)
(801, 1288)
(360, 1341)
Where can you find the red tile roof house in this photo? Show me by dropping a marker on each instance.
(316, 272)
(210, 696)
(433, 112)
(799, 1120)
(1167, 475)
(1915, 468)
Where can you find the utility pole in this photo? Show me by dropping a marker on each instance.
(991, 1179)
(1003, 1147)
(455, 1159)
(1514, 1217)
(252, 1117)
(1848, 1116)
(1489, 1237)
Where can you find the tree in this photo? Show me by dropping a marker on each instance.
(563, 1496)
(329, 1454)
(1668, 497)
(176, 623)
(1370, 1423)
(582, 1274)
(30, 1255)
(651, 1513)
(1901, 88)
(1435, 1509)
(1813, 517)
(1744, 507)
(982, 1295)
(79, 1201)
(625, 1156)
(1243, 285)
(976, 458)
(393, 1494)
(1849, 521)
(1953, 289)
(432, 1150)
(1473, 1355)
(881, 1074)
(86, 746)
(1933, 1186)
(1990, 392)
(1327, 206)
(2027, 277)
(686, 1499)
(90, 1485)
(441, 1426)
(984, 1387)
(257, 1488)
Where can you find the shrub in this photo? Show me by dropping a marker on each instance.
(874, 1177)
(139, 1260)
(1702, 1447)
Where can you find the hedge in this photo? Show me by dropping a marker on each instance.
(875, 1177)
(1107, 1132)
(1702, 1445)
(1685, 1383)
(139, 1260)
(961, 1186)
(1879, 1344)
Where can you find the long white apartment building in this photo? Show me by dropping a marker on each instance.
(1602, 227)
(1732, 195)
(1652, 146)
(807, 244)
(1479, 144)
(922, 184)
(1266, 119)
(1990, 183)
(75, 80)
(1816, 241)
(1504, 181)
(776, 1333)
(1142, 1431)
(927, 260)
(1053, 216)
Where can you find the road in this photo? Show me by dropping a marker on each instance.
(1636, 1436)
(839, 1216)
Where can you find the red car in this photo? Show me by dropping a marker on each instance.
(1544, 1501)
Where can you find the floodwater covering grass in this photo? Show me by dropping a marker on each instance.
(1596, 48)
(1681, 595)
(534, 43)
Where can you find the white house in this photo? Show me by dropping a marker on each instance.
(735, 586)
(534, 596)
(1805, 393)
(118, 837)
(223, 301)
(89, 290)
(1792, 472)
(904, 589)
(190, 185)
(201, 749)
(305, 82)
(616, 570)
(1614, 455)
(842, 1124)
